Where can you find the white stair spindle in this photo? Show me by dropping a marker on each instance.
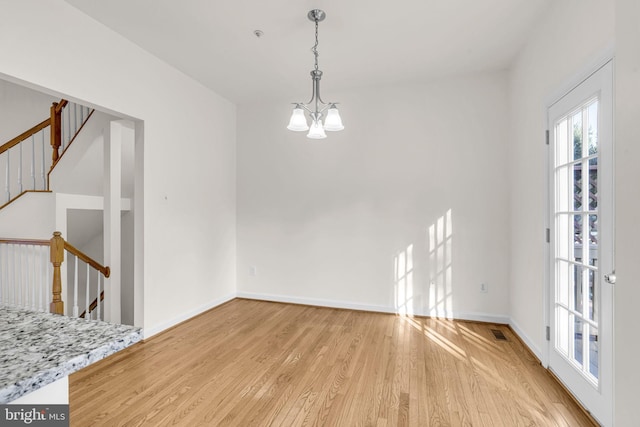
(75, 121)
(47, 266)
(20, 168)
(62, 124)
(38, 272)
(28, 276)
(16, 278)
(87, 315)
(7, 185)
(75, 287)
(68, 136)
(33, 162)
(5, 276)
(42, 174)
(63, 130)
(34, 277)
(18, 271)
(98, 299)
(24, 274)
(10, 277)
(2, 272)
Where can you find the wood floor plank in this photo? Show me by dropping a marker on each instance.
(254, 363)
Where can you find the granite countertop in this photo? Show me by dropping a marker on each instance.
(37, 349)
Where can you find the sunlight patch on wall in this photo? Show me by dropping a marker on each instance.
(440, 240)
(403, 281)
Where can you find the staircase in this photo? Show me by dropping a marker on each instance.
(31, 270)
(24, 158)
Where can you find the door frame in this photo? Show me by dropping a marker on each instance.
(573, 83)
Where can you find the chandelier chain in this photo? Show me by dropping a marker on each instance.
(315, 47)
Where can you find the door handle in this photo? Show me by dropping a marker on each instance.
(610, 278)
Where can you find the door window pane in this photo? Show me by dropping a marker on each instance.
(594, 291)
(578, 326)
(576, 126)
(576, 296)
(577, 186)
(592, 117)
(593, 351)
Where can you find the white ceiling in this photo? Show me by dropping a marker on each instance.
(362, 42)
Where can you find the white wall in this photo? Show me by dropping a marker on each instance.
(324, 221)
(564, 47)
(80, 170)
(29, 217)
(627, 151)
(20, 109)
(189, 213)
(126, 278)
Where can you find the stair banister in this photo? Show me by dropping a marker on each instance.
(60, 140)
(106, 271)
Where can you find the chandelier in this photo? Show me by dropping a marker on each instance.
(316, 107)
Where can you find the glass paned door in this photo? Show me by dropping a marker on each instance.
(576, 217)
(581, 225)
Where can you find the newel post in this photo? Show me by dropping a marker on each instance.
(57, 257)
(56, 132)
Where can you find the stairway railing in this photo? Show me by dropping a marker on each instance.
(25, 273)
(23, 160)
(93, 270)
(30, 275)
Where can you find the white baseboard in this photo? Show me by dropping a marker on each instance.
(482, 317)
(149, 332)
(528, 342)
(478, 317)
(316, 302)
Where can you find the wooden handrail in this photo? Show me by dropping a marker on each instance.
(60, 105)
(24, 135)
(106, 271)
(93, 305)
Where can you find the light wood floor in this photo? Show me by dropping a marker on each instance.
(258, 363)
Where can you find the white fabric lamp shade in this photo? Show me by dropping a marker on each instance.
(333, 121)
(316, 131)
(298, 121)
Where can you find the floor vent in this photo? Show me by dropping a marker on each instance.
(498, 334)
